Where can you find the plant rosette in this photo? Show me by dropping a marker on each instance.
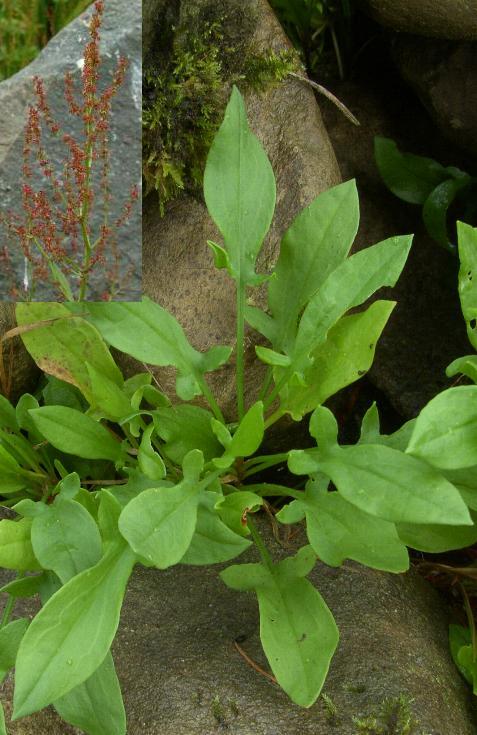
(105, 473)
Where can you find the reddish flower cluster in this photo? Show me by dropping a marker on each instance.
(55, 233)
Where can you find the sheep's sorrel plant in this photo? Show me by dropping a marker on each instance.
(177, 484)
(62, 248)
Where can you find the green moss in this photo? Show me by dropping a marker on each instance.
(185, 91)
(330, 707)
(393, 717)
(218, 711)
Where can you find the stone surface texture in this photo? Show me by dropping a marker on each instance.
(178, 266)
(120, 35)
(181, 674)
(21, 373)
(444, 76)
(453, 19)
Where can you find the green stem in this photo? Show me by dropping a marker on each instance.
(470, 618)
(259, 543)
(271, 490)
(282, 457)
(273, 418)
(209, 397)
(266, 383)
(276, 391)
(261, 468)
(240, 364)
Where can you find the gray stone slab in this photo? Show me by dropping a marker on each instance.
(120, 35)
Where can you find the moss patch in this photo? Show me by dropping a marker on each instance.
(186, 86)
(393, 717)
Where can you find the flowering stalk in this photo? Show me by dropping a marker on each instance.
(55, 232)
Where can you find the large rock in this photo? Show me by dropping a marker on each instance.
(444, 75)
(178, 266)
(443, 19)
(21, 373)
(181, 674)
(121, 35)
(426, 330)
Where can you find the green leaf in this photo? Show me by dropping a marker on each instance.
(108, 516)
(3, 730)
(370, 426)
(349, 285)
(25, 421)
(467, 663)
(338, 530)
(65, 539)
(71, 635)
(270, 357)
(467, 237)
(10, 639)
(24, 587)
(185, 427)
(324, 427)
(8, 419)
(159, 523)
(107, 396)
(149, 333)
(234, 508)
(247, 438)
(61, 347)
(464, 366)
(239, 189)
(150, 462)
(11, 476)
(58, 393)
(386, 483)
(434, 211)
(16, 551)
(75, 433)
(437, 539)
(317, 242)
(61, 281)
(21, 449)
(460, 640)
(344, 357)
(213, 541)
(96, 706)
(411, 178)
(445, 432)
(465, 481)
(297, 630)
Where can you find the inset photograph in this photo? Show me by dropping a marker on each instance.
(70, 150)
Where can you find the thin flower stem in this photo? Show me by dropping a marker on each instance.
(85, 213)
